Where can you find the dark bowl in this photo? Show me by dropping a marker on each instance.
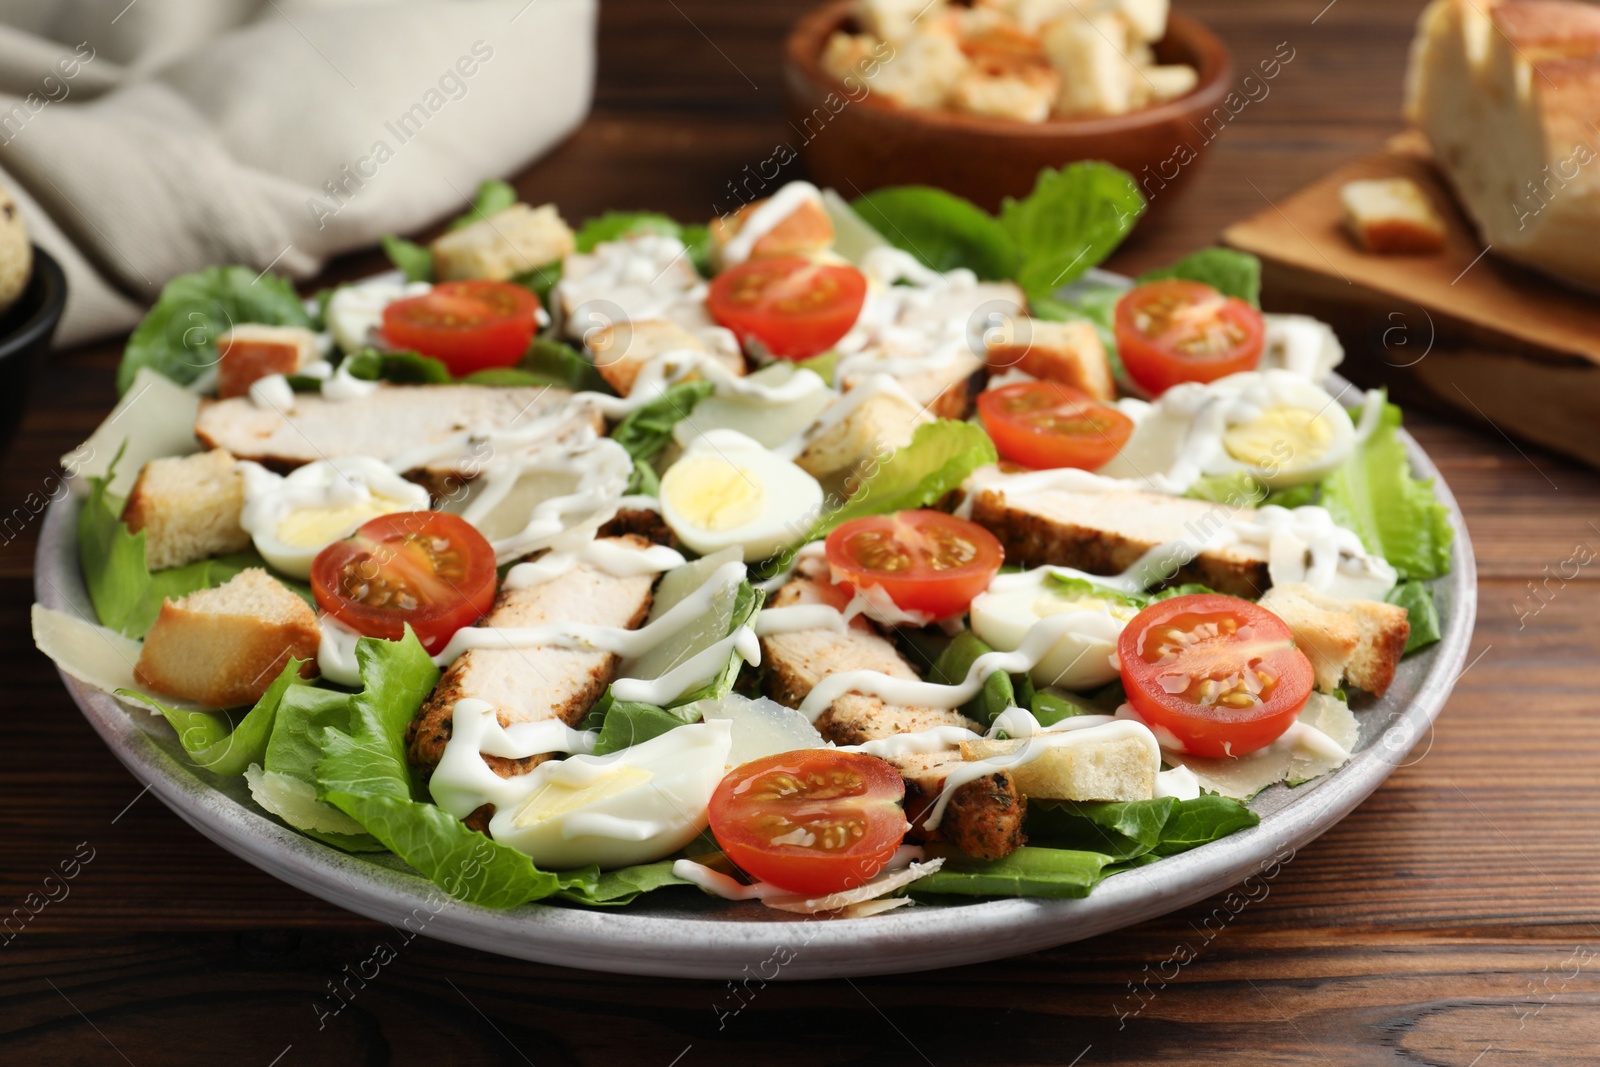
(874, 142)
(25, 332)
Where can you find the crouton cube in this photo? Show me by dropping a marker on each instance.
(188, 508)
(1024, 93)
(1092, 50)
(1078, 768)
(621, 350)
(251, 352)
(805, 231)
(922, 72)
(505, 244)
(1358, 640)
(1168, 82)
(894, 20)
(222, 647)
(1147, 17)
(1391, 216)
(878, 425)
(1067, 352)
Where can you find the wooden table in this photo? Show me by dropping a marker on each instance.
(1450, 920)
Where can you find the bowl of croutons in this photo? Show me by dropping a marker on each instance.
(33, 292)
(977, 97)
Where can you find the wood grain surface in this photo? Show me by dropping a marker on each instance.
(1451, 920)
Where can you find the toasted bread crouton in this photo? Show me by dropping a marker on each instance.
(878, 424)
(1358, 640)
(251, 352)
(188, 508)
(388, 424)
(222, 647)
(1067, 352)
(534, 684)
(943, 389)
(1093, 50)
(1163, 81)
(895, 20)
(1107, 532)
(805, 231)
(1022, 97)
(620, 351)
(503, 245)
(1117, 769)
(1391, 216)
(984, 818)
(923, 71)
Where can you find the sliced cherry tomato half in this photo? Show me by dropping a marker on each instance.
(470, 325)
(1047, 424)
(925, 561)
(423, 568)
(1175, 331)
(815, 821)
(1220, 674)
(792, 307)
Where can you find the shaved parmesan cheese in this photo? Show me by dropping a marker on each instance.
(93, 654)
(153, 420)
(883, 884)
(295, 802)
(1318, 742)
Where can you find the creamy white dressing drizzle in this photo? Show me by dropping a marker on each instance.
(272, 392)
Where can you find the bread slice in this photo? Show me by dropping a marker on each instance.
(1107, 532)
(1116, 769)
(503, 245)
(1358, 640)
(222, 647)
(1391, 216)
(1507, 95)
(188, 508)
(250, 352)
(1067, 352)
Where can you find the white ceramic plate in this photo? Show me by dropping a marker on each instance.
(679, 932)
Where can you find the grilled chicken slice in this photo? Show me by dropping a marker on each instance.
(533, 684)
(1106, 533)
(389, 423)
(984, 817)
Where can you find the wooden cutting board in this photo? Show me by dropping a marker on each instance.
(1464, 329)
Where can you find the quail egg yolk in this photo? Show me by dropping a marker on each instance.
(313, 527)
(713, 493)
(1281, 436)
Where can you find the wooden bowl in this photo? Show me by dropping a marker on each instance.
(871, 142)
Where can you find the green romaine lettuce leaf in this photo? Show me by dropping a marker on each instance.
(1028, 872)
(1421, 612)
(178, 336)
(623, 886)
(411, 259)
(364, 773)
(1395, 513)
(648, 429)
(1229, 272)
(492, 197)
(627, 723)
(1203, 820)
(1120, 830)
(404, 368)
(215, 744)
(1074, 218)
(942, 230)
(126, 595)
(939, 458)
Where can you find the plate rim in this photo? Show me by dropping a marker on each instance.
(740, 937)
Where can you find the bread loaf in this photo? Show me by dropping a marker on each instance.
(1507, 95)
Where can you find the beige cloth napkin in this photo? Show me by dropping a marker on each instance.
(150, 138)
